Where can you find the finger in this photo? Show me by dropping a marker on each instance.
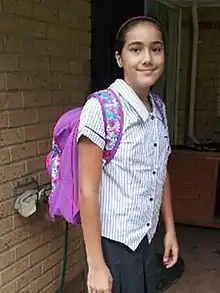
(92, 290)
(110, 284)
(89, 289)
(172, 260)
(166, 255)
(169, 264)
(174, 257)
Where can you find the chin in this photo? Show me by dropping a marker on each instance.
(147, 82)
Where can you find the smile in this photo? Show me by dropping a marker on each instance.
(146, 70)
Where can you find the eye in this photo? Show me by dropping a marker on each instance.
(157, 49)
(135, 50)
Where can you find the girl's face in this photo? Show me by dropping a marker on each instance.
(142, 56)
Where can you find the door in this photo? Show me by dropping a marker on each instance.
(107, 16)
(170, 17)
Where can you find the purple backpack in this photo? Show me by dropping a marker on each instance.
(62, 161)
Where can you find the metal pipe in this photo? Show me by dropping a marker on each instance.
(177, 89)
(191, 133)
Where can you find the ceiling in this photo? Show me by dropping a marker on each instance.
(212, 3)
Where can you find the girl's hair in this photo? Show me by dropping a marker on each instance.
(129, 24)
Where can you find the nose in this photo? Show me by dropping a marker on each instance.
(147, 58)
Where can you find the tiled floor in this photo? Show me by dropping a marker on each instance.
(200, 249)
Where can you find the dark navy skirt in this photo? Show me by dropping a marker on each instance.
(132, 271)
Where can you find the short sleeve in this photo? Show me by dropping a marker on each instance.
(91, 123)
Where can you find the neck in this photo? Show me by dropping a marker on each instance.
(142, 93)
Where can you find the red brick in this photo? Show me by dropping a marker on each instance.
(13, 44)
(23, 117)
(36, 99)
(44, 146)
(59, 65)
(14, 270)
(28, 277)
(41, 282)
(29, 245)
(24, 151)
(12, 238)
(17, 7)
(48, 114)
(35, 63)
(2, 81)
(11, 136)
(5, 191)
(33, 28)
(52, 287)
(6, 209)
(39, 79)
(6, 225)
(44, 13)
(14, 81)
(40, 253)
(55, 232)
(11, 287)
(25, 290)
(10, 172)
(35, 164)
(5, 156)
(9, 24)
(52, 260)
(10, 100)
(36, 132)
(7, 258)
(4, 119)
(9, 62)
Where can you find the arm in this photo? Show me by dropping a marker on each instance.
(91, 142)
(167, 210)
(90, 166)
(171, 251)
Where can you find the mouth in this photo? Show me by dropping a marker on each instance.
(146, 71)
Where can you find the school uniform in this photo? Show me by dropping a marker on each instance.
(131, 188)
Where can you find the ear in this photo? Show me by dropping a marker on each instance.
(118, 59)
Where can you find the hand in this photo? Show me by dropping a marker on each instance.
(171, 250)
(99, 280)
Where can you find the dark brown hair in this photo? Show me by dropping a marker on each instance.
(130, 23)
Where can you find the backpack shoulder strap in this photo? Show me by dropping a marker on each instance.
(113, 120)
(160, 106)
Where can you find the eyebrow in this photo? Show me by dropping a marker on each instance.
(139, 43)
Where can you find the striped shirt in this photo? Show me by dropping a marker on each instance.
(132, 183)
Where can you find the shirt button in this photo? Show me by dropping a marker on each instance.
(155, 144)
(152, 117)
(148, 224)
(151, 198)
(154, 172)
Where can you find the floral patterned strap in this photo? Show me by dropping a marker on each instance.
(160, 106)
(113, 119)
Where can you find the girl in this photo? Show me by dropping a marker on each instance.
(120, 202)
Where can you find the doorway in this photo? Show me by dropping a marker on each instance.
(107, 16)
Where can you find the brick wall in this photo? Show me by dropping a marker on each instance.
(44, 70)
(207, 109)
(207, 117)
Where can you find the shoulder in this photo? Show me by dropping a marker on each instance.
(157, 98)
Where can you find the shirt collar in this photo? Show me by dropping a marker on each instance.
(127, 93)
